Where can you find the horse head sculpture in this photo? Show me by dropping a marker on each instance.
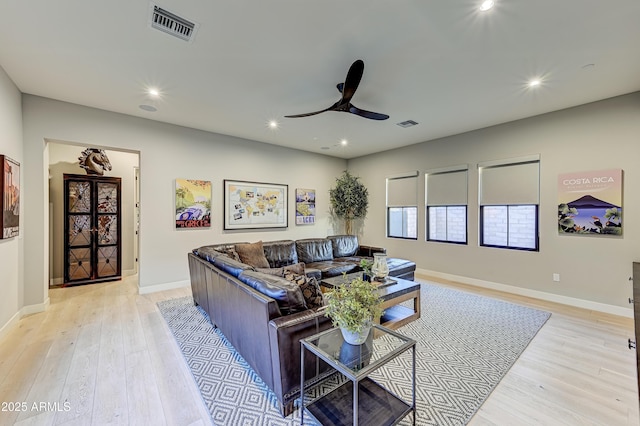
(94, 161)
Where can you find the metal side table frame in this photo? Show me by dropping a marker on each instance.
(328, 346)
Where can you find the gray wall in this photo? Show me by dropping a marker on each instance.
(11, 277)
(63, 158)
(597, 136)
(166, 152)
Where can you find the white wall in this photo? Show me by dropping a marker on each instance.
(63, 158)
(598, 136)
(166, 152)
(11, 278)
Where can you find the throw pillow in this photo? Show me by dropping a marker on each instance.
(310, 289)
(252, 254)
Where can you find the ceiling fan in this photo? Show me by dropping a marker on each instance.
(348, 88)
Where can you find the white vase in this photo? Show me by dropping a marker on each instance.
(357, 337)
(380, 268)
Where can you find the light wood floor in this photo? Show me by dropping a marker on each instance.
(102, 354)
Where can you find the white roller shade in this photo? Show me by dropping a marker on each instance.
(447, 188)
(402, 191)
(510, 184)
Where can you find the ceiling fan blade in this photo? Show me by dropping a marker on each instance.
(367, 114)
(354, 75)
(331, 108)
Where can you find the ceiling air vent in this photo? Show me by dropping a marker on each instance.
(171, 24)
(407, 123)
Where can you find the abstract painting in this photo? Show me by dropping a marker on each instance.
(193, 203)
(10, 193)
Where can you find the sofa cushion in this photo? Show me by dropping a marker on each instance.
(228, 249)
(313, 273)
(230, 266)
(287, 294)
(280, 253)
(296, 268)
(311, 292)
(252, 254)
(332, 268)
(343, 245)
(207, 253)
(314, 250)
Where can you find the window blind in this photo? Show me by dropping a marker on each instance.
(446, 188)
(510, 183)
(402, 190)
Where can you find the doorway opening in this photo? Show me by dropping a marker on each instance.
(64, 159)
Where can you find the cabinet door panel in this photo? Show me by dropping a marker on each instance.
(79, 230)
(107, 262)
(107, 229)
(79, 194)
(107, 197)
(79, 264)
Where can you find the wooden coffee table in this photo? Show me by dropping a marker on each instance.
(395, 315)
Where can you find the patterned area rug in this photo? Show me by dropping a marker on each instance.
(466, 344)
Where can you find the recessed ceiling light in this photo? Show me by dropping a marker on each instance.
(534, 83)
(486, 5)
(153, 92)
(344, 142)
(148, 108)
(273, 124)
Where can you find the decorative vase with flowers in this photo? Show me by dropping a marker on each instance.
(354, 306)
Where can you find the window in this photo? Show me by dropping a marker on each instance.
(403, 222)
(509, 198)
(446, 202)
(402, 206)
(447, 224)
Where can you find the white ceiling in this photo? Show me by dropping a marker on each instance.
(444, 63)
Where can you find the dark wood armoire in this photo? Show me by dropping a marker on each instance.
(92, 229)
(636, 314)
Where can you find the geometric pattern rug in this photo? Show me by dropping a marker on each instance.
(465, 344)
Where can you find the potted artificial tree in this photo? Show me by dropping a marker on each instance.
(354, 306)
(349, 200)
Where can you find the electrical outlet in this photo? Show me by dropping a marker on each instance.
(556, 277)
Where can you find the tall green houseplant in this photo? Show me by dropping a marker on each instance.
(349, 200)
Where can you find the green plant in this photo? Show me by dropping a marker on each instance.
(349, 199)
(365, 265)
(353, 304)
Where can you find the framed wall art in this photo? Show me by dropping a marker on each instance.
(590, 202)
(250, 205)
(305, 206)
(10, 196)
(193, 203)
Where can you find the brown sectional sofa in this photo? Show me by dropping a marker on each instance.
(264, 316)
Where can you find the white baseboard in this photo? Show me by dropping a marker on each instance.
(163, 287)
(129, 272)
(56, 281)
(549, 297)
(9, 325)
(26, 310)
(34, 309)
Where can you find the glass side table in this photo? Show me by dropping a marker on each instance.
(360, 400)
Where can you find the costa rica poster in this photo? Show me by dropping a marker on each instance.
(590, 202)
